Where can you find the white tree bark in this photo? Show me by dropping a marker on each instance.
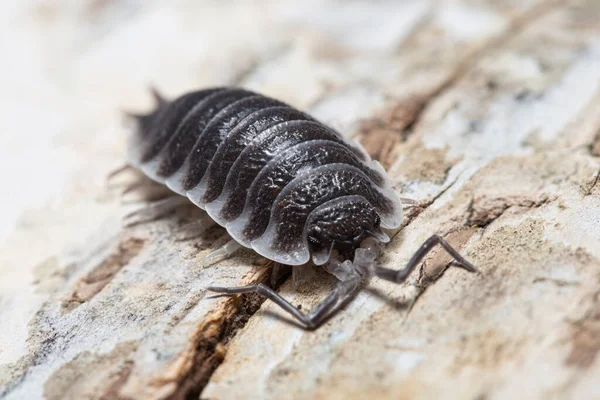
(487, 112)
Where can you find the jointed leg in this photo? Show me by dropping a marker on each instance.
(317, 315)
(426, 247)
(140, 184)
(278, 272)
(118, 171)
(155, 210)
(226, 250)
(192, 230)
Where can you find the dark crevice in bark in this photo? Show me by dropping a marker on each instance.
(213, 335)
(482, 217)
(593, 185)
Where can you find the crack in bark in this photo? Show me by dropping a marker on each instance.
(423, 280)
(593, 185)
(483, 216)
(422, 206)
(209, 344)
(428, 275)
(557, 282)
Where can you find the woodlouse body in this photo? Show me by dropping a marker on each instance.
(279, 181)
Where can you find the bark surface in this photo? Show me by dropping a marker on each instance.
(486, 112)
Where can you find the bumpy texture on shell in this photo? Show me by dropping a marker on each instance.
(260, 168)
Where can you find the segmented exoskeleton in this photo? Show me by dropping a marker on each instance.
(280, 182)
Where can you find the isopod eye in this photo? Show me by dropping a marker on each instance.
(313, 240)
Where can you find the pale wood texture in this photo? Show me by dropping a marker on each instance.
(487, 112)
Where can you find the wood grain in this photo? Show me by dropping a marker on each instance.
(484, 111)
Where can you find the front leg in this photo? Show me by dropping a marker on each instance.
(426, 247)
(319, 314)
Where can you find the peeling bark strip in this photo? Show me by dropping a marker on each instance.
(485, 112)
(90, 285)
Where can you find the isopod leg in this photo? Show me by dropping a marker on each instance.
(426, 247)
(159, 99)
(118, 171)
(140, 184)
(278, 272)
(228, 249)
(122, 176)
(192, 230)
(317, 315)
(153, 211)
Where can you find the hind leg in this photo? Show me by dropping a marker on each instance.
(192, 230)
(154, 211)
(226, 250)
(118, 172)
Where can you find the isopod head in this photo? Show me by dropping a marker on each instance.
(342, 224)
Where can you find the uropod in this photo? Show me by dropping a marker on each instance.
(281, 183)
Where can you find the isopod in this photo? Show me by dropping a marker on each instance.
(281, 183)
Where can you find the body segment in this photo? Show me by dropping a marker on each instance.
(259, 167)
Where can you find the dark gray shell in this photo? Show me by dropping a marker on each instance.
(259, 167)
